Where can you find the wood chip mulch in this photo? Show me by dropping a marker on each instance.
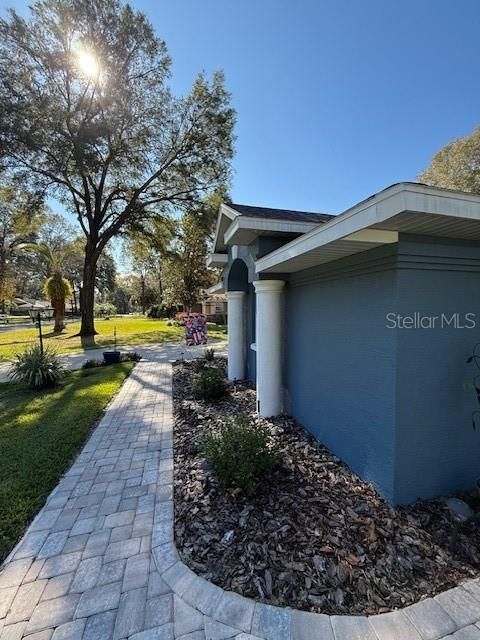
(314, 536)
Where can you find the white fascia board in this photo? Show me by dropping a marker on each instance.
(217, 230)
(229, 212)
(261, 225)
(373, 236)
(225, 210)
(216, 288)
(216, 259)
(375, 210)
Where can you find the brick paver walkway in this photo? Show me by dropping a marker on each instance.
(99, 561)
(84, 569)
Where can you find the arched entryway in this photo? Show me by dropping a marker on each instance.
(237, 288)
(237, 277)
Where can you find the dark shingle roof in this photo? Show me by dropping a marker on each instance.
(280, 214)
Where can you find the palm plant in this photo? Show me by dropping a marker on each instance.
(56, 287)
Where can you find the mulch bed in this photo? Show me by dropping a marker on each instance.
(314, 536)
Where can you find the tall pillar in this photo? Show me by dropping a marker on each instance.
(236, 335)
(269, 347)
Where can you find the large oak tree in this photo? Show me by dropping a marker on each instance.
(87, 113)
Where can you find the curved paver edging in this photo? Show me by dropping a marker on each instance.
(81, 572)
(455, 613)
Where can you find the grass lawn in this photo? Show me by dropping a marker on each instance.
(130, 330)
(40, 434)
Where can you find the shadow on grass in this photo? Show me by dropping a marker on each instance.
(10, 342)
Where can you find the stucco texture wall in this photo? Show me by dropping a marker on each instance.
(390, 402)
(437, 450)
(340, 366)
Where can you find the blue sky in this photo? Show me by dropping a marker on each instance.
(335, 99)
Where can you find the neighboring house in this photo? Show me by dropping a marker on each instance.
(28, 307)
(353, 325)
(214, 306)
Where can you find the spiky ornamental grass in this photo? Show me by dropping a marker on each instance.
(37, 369)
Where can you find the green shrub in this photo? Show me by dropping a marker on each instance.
(199, 364)
(209, 384)
(104, 310)
(37, 369)
(157, 311)
(130, 356)
(153, 311)
(240, 454)
(93, 363)
(209, 355)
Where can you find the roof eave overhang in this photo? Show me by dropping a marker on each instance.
(216, 288)
(225, 215)
(405, 207)
(244, 230)
(216, 260)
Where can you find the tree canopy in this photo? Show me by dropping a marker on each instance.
(20, 219)
(456, 165)
(88, 116)
(170, 259)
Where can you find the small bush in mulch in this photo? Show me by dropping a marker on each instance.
(209, 355)
(209, 384)
(313, 536)
(240, 453)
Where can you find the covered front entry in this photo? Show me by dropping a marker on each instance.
(255, 335)
(238, 303)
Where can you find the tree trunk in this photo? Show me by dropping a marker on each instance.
(87, 299)
(160, 283)
(75, 308)
(142, 280)
(3, 277)
(59, 315)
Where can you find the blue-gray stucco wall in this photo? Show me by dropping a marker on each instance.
(340, 370)
(390, 402)
(437, 450)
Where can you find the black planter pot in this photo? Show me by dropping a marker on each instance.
(111, 357)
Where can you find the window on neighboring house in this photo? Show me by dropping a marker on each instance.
(219, 308)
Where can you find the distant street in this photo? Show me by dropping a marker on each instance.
(17, 325)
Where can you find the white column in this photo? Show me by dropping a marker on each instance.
(269, 347)
(236, 335)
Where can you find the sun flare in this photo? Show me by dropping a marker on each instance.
(88, 64)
